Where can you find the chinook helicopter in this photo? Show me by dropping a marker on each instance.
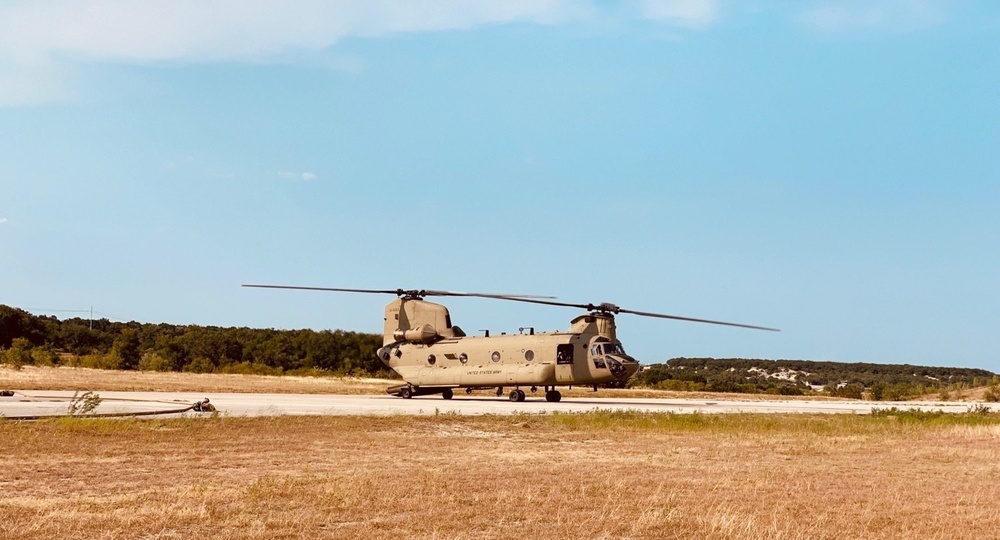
(432, 356)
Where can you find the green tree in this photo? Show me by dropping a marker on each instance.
(125, 349)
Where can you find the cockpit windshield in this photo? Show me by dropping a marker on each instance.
(613, 348)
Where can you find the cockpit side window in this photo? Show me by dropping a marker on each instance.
(613, 348)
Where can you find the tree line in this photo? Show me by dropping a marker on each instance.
(35, 339)
(48, 341)
(799, 377)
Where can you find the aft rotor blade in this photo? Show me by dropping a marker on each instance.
(679, 318)
(615, 309)
(550, 303)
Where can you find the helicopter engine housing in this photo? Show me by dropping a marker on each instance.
(422, 334)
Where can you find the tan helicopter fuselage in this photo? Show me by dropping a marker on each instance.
(431, 355)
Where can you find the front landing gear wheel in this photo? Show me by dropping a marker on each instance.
(447, 394)
(553, 396)
(517, 395)
(406, 392)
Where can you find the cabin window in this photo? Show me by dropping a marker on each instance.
(529, 355)
(431, 359)
(599, 363)
(564, 354)
(495, 356)
(463, 358)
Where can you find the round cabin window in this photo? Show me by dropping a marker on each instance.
(529, 355)
(495, 356)
(463, 358)
(431, 359)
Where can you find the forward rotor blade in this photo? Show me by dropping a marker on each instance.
(500, 296)
(295, 287)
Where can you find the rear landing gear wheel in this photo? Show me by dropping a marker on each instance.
(447, 394)
(517, 395)
(553, 396)
(406, 392)
(499, 391)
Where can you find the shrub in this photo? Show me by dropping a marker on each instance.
(99, 361)
(43, 356)
(250, 368)
(18, 354)
(993, 392)
(152, 361)
(200, 365)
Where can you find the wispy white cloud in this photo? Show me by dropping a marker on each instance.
(296, 176)
(40, 38)
(683, 13)
(853, 16)
(3, 220)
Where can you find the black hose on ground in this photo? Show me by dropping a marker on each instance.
(198, 406)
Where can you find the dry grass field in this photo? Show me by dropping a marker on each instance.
(72, 378)
(600, 475)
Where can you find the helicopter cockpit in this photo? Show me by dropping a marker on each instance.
(612, 356)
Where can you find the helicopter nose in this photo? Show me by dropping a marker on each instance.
(622, 368)
(631, 368)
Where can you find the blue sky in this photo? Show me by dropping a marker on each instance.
(829, 168)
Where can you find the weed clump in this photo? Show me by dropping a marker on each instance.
(82, 404)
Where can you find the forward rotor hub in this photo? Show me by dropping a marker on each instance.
(604, 307)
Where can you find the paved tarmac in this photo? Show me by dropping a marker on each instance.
(33, 404)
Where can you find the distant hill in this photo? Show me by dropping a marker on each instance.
(791, 377)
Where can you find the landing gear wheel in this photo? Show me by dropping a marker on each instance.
(406, 392)
(553, 396)
(499, 391)
(447, 394)
(517, 395)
